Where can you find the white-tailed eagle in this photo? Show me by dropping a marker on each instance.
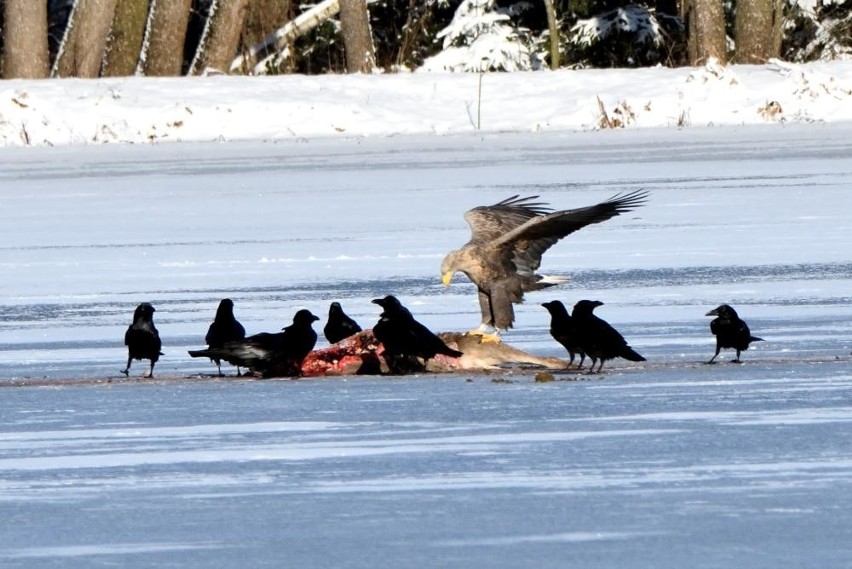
(506, 245)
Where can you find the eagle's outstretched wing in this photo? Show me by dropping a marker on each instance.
(507, 242)
(490, 222)
(527, 242)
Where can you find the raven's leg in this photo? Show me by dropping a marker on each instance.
(718, 349)
(150, 371)
(126, 371)
(594, 361)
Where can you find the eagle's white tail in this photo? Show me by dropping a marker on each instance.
(550, 280)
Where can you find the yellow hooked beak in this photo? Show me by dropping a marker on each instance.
(446, 278)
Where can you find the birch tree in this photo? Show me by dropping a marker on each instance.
(283, 36)
(25, 53)
(553, 29)
(221, 36)
(357, 38)
(125, 41)
(263, 17)
(705, 27)
(84, 45)
(757, 30)
(166, 33)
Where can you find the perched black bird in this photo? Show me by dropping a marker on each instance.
(339, 325)
(225, 328)
(564, 331)
(405, 339)
(142, 339)
(598, 339)
(730, 331)
(270, 354)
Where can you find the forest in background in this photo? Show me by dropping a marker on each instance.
(102, 38)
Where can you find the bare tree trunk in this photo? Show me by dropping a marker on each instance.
(125, 42)
(414, 32)
(25, 41)
(281, 37)
(166, 35)
(554, 33)
(758, 30)
(94, 27)
(221, 36)
(357, 38)
(263, 17)
(86, 38)
(705, 25)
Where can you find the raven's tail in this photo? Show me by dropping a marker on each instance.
(448, 351)
(629, 353)
(202, 353)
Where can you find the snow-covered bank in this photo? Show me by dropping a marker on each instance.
(56, 112)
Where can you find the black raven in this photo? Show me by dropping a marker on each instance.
(225, 328)
(564, 331)
(405, 339)
(269, 354)
(142, 339)
(339, 325)
(598, 339)
(730, 331)
(507, 242)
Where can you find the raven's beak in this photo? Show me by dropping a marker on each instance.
(447, 278)
(714, 312)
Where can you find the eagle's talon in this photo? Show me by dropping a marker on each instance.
(486, 337)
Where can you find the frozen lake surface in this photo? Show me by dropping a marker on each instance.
(666, 464)
(719, 466)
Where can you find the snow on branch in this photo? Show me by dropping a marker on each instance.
(481, 37)
(278, 40)
(631, 19)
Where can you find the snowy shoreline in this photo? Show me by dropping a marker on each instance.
(293, 107)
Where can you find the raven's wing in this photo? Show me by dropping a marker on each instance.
(716, 326)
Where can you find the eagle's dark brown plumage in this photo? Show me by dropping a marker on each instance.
(507, 242)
